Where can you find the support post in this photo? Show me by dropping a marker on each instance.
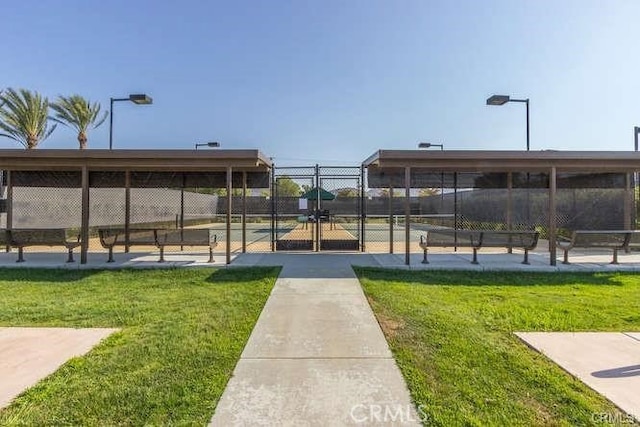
(552, 216)
(390, 219)
(84, 227)
(9, 205)
(628, 201)
(229, 206)
(510, 205)
(127, 209)
(182, 185)
(455, 211)
(363, 215)
(274, 221)
(244, 212)
(407, 215)
(317, 222)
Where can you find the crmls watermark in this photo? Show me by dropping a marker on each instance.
(614, 419)
(384, 413)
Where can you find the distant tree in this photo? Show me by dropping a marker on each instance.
(426, 192)
(287, 187)
(396, 192)
(78, 113)
(223, 192)
(24, 117)
(347, 192)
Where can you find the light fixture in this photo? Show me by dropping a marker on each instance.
(429, 145)
(136, 98)
(213, 144)
(503, 99)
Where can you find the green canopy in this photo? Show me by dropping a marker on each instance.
(313, 194)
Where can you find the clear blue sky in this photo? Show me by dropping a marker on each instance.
(333, 80)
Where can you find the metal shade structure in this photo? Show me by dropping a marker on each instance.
(407, 169)
(130, 169)
(313, 194)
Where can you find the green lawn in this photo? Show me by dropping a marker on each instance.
(452, 336)
(182, 333)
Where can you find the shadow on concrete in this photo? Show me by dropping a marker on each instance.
(622, 372)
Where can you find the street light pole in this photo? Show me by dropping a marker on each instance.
(138, 99)
(503, 99)
(527, 104)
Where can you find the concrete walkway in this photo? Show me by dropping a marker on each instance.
(608, 362)
(28, 355)
(317, 355)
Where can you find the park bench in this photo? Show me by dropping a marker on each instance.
(24, 237)
(476, 239)
(187, 237)
(601, 239)
(158, 237)
(111, 237)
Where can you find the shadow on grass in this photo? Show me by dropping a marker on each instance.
(59, 275)
(243, 274)
(490, 278)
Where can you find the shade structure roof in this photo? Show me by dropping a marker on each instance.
(155, 160)
(506, 161)
(313, 194)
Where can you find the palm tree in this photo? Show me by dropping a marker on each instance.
(23, 117)
(76, 112)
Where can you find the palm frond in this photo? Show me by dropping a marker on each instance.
(24, 116)
(78, 113)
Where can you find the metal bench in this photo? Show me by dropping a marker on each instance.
(601, 239)
(158, 237)
(187, 237)
(476, 239)
(111, 237)
(23, 237)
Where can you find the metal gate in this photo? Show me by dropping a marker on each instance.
(317, 208)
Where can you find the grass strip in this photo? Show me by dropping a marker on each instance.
(452, 336)
(183, 331)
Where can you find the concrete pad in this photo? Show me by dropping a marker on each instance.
(122, 260)
(28, 355)
(318, 286)
(634, 335)
(608, 362)
(312, 392)
(316, 326)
